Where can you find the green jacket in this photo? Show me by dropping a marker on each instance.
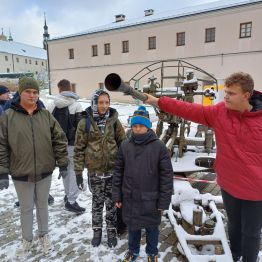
(30, 146)
(95, 150)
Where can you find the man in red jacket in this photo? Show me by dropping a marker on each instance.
(237, 123)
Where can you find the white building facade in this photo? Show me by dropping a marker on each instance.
(219, 39)
(21, 58)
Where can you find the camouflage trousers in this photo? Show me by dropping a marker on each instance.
(101, 188)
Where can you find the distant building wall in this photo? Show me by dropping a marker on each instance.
(11, 63)
(228, 52)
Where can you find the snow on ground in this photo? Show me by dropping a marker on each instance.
(71, 235)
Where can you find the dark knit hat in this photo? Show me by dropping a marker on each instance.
(3, 90)
(141, 116)
(27, 83)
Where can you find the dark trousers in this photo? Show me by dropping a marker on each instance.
(134, 237)
(244, 226)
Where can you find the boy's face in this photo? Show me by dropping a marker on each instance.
(235, 97)
(29, 97)
(139, 129)
(103, 103)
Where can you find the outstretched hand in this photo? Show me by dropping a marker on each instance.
(151, 100)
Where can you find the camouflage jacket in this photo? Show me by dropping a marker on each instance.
(95, 150)
(30, 146)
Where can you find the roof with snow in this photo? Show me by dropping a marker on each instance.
(172, 14)
(16, 48)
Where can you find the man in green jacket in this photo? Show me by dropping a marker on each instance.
(31, 144)
(98, 137)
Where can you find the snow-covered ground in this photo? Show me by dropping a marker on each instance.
(70, 234)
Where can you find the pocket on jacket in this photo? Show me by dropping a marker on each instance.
(149, 200)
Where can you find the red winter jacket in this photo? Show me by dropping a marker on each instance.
(238, 139)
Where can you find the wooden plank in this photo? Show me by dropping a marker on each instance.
(204, 242)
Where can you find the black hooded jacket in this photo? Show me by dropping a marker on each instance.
(256, 101)
(143, 180)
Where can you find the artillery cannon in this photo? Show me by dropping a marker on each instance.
(185, 81)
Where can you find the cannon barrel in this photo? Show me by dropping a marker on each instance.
(114, 83)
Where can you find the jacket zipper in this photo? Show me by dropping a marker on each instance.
(33, 137)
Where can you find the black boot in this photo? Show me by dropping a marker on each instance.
(111, 237)
(74, 208)
(97, 237)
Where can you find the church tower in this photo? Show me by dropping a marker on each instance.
(10, 38)
(2, 36)
(45, 35)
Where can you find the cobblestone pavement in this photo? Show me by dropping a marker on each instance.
(71, 235)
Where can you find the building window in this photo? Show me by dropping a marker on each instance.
(180, 38)
(6, 58)
(152, 42)
(73, 86)
(42, 63)
(8, 70)
(210, 35)
(36, 63)
(245, 30)
(107, 49)
(17, 59)
(94, 50)
(125, 46)
(71, 53)
(101, 85)
(26, 61)
(30, 62)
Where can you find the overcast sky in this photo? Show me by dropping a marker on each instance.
(25, 18)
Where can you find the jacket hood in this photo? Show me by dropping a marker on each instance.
(65, 98)
(15, 105)
(256, 100)
(95, 97)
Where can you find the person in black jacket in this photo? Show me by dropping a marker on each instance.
(68, 112)
(142, 184)
(4, 97)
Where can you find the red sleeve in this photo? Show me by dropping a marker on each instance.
(197, 113)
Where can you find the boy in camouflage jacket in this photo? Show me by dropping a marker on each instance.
(96, 149)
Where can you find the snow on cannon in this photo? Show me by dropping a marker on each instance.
(178, 79)
(198, 224)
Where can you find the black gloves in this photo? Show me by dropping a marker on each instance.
(4, 181)
(79, 180)
(62, 172)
